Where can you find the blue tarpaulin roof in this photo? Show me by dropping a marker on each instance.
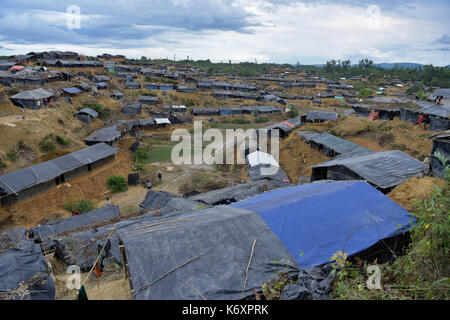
(72, 90)
(316, 220)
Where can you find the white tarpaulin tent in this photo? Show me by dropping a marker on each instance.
(259, 157)
(162, 121)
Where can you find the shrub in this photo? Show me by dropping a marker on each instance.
(117, 183)
(62, 141)
(82, 206)
(149, 94)
(12, 155)
(47, 144)
(364, 93)
(261, 120)
(293, 113)
(142, 154)
(189, 102)
(2, 164)
(240, 121)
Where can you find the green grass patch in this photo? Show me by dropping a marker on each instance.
(82, 206)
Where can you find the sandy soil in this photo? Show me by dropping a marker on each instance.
(415, 189)
(296, 157)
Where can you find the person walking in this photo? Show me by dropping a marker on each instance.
(159, 176)
(149, 185)
(108, 201)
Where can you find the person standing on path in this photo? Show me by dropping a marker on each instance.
(159, 176)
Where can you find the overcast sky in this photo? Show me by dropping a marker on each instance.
(283, 31)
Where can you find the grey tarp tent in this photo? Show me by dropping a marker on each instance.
(31, 180)
(314, 116)
(86, 115)
(441, 144)
(331, 145)
(45, 233)
(82, 248)
(439, 116)
(383, 170)
(32, 99)
(132, 109)
(24, 274)
(237, 192)
(208, 250)
(164, 203)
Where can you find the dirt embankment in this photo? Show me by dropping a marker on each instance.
(296, 157)
(90, 186)
(379, 135)
(415, 189)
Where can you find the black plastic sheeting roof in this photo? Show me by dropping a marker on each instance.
(82, 248)
(238, 192)
(257, 173)
(47, 231)
(286, 126)
(318, 115)
(165, 203)
(333, 143)
(208, 250)
(25, 265)
(383, 169)
(48, 170)
(441, 144)
(36, 94)
(89, 111)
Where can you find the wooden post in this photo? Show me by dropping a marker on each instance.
(124, 262)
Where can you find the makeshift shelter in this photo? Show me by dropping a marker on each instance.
(439, 116)
(162, 122)
(284, 127)
(175, 108)
(221, 85)
(164, 203)
(84, 86)
(316, 220)
(71, 91)
(107, 135)
(81, 248)
(132, 109)
(47, 232)
(318, 116)
(384, 170)
(86, 115)
(151, 86)
(133, 85)
(331, 145)
(32, 99)
(186, 89)
(25, 275)
(441, 144)
(205, 111)
(117, 95)
(216, 243)
(101, 85)
(166, 87)
(237, 192)
(204, 85)
(18, 185)
(148, 100)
